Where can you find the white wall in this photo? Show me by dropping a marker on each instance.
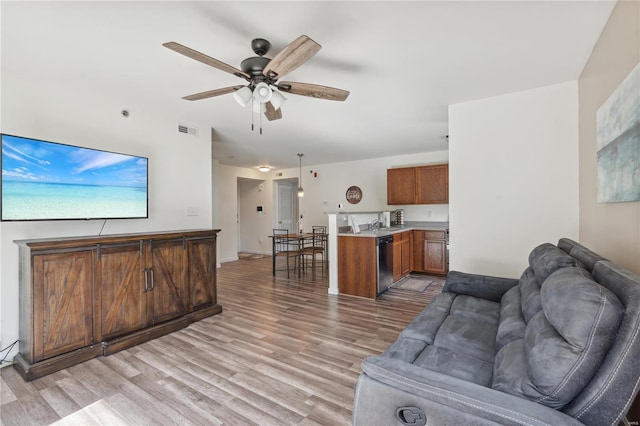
(513, 177)
(179, 166)
(321, 195)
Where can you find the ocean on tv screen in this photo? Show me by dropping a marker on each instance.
(45, 180)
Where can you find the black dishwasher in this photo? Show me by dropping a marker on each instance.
(384, 251)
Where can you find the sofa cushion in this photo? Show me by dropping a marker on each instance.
(546, 259)
(529, 294)
(405, 349)
(425, 326)
(454, 335)
(455, 364)
(468, 337)
(512, 325)
(564, 343)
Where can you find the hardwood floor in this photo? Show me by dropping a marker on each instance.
(282, 352)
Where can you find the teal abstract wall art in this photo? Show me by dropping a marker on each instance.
(618, 142)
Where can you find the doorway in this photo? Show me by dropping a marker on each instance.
(286, 203)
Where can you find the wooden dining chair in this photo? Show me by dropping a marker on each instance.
(318, 245)
(283, 248)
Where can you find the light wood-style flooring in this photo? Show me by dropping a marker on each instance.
(282, 352)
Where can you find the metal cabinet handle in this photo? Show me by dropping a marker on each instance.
(153, 284)
(146, 281)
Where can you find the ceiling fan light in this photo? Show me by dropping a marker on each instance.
(277, 99)
(262, 92)
(243, 96)
(300, 192)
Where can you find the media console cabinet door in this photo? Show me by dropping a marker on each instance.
(202, 272)
(167, 279)
(120, 299)
(61, 303)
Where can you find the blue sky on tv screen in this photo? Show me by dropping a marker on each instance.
(28, 160)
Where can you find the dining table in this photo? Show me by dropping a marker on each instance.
(296, 240)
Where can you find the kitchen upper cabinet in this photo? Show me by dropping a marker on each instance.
(432, 184)
(430, 252)
(401, 186)
(90, 296)
(418, 185)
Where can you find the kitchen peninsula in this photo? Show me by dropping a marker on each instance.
(361, 261)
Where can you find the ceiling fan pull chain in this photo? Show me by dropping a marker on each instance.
(261, 118)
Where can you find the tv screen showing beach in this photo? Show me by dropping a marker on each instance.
(52, 181)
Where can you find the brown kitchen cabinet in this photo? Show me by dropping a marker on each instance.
(90, 296)
(402, 254)
(430, 252)
(357, 273)
(432, 184)
(418, 185)
(401, 186)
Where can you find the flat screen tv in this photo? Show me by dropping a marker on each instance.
(52, 181)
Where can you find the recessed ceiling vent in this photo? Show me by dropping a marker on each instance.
(183, 128)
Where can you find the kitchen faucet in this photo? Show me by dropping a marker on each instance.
(374, 224)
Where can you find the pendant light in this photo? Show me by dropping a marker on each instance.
(300, 190)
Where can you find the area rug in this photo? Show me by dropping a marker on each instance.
(250, 256)
(413, 283)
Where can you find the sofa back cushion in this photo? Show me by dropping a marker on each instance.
(564, 343)
(547, 259)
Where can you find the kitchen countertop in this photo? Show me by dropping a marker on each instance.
(408, 226)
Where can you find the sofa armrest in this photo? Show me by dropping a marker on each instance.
(482, 286)
(387, 385)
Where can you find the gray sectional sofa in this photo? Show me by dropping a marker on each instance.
(559, 346)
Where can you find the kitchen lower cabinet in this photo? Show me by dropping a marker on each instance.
(402, 254)
(430, 252)
(90, 296)
(357, 266)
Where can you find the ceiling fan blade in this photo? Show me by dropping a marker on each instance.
(271, 113)
(212, 93)
(291, 57)
(313, 90)
(207, 60)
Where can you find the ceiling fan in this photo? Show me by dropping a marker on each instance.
(263, 76)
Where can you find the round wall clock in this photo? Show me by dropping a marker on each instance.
(354, 195)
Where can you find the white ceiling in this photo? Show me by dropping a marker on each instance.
(403, 62)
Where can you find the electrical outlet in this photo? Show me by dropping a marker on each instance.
(193, 210)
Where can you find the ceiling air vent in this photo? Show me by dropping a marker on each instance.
(182, 128)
